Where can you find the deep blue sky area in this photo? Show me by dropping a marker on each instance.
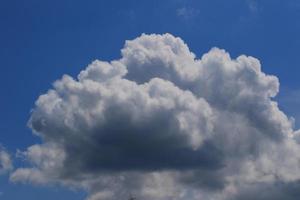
(42, 40)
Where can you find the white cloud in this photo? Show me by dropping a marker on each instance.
(5, 162)
(161, 123)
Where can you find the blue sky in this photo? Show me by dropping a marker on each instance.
(42, 40)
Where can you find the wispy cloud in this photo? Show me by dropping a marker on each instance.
(253, 6)
(187, 12)
(5, 161)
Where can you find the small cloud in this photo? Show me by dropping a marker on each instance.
(187, 12)
(5, 161)
(253, 6)
(252, 14)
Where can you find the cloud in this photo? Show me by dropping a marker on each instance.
(161, 123)
(187, 13)
(253, 6)
(5, 161)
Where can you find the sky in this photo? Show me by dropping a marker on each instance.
(43, 40)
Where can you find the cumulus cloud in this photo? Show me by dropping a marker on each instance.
(5, 161)
(161, 123)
